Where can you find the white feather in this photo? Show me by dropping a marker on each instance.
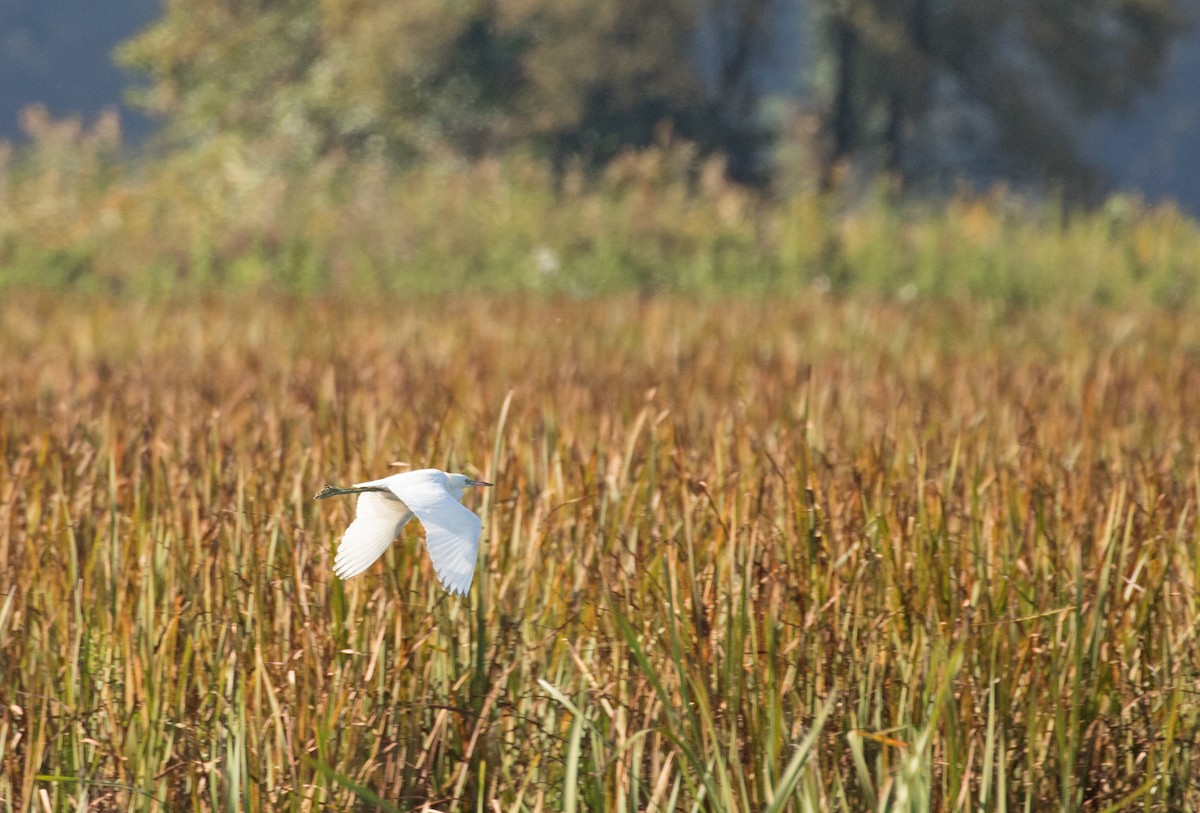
(377, 521)
(451, 529)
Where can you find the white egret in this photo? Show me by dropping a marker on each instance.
(385, 506)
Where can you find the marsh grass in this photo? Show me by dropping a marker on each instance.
(80, 212)
(817, 556)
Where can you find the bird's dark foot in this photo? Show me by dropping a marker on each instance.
(334, 491)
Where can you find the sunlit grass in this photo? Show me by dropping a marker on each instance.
(818, 556)
(230, 216)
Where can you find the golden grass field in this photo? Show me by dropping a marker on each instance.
(815, 555)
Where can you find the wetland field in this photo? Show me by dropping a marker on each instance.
(814, 554)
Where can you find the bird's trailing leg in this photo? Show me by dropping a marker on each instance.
(334, 491)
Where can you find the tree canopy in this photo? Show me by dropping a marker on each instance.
(1017, 75)
(583, 79)
(408, 79)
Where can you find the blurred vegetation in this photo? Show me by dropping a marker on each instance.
(666, 218)
(418, 80)
(579, 148)
(1020, 75)
(584, 79)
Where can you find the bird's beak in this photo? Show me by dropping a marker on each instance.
(471, 482)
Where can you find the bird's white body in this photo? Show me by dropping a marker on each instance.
(386, 506)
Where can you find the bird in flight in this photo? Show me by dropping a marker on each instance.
(385, 506)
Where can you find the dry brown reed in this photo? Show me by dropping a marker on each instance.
(817, 555)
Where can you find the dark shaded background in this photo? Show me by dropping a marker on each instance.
(58, 53)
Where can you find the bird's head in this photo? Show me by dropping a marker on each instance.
(458, 483)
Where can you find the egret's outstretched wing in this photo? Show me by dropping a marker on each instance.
(378, 519)
(451, 531)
